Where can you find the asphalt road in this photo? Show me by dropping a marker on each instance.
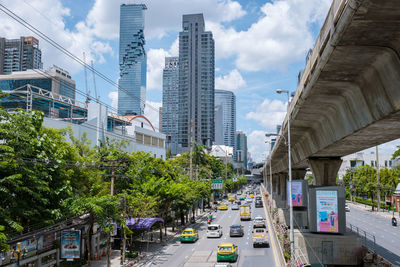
(203, 251)
(387, 237)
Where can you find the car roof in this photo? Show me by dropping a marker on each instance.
(235, 225)
(258, 217)
(226, 245)
(188, 229)
(213, 224)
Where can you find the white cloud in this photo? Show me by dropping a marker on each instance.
(161, 16)
(269, 114)
(282, 36)
(256, 145)
(155, 65)
(151, 111)
(114, 100)
(231, 81)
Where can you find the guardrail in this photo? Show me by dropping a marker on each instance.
(367, 239)
(278, 247)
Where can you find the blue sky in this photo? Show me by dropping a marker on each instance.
(260, 47)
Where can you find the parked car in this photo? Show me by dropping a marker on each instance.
(236, 230)
(346, 208)
(259, 222)
(260, 237)
(227, 252)
(214, 230)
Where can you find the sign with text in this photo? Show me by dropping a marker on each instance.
(327, 211)
(71, 244)
(297, 193)
(216, 184)
(234, 179)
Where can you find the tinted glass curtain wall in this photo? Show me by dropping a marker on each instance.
(132, 60)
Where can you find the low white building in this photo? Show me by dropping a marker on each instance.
(365, 158)
(222, 152)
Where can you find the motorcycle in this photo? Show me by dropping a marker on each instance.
(394, 221)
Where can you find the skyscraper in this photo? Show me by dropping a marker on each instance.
(170, 103)
(196, 83)
(19, 54)
(132, 60)
(227, 100)
(241, 150)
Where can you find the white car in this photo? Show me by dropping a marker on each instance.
(214, 230)
(259, 222)
(235, 207)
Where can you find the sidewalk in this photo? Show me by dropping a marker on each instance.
(153, 246)
(385, 214)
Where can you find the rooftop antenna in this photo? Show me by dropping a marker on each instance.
(86, 85)
(94, 83)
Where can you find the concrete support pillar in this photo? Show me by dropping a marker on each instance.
(275, 183)
(325, 170)
(283, 177)
(298, 174)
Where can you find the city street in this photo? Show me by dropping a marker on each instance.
(203, 252)
(387, 236)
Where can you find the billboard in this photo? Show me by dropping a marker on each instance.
(327, 211)
(71, 244)
(299, 193)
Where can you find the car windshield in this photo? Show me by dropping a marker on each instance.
(260, 231)
(225, 248)
(212, 228)
(235, 226)
(187, 232)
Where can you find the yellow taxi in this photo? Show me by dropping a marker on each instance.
(223, 206)
(227, 252)
(251, 196)
(189, 235)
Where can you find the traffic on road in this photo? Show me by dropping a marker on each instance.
(223, 238)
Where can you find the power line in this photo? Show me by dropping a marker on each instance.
(68, 53)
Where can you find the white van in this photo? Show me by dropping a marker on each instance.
(214, 230)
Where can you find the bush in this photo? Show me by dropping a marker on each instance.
(131, 254)
(369, 202)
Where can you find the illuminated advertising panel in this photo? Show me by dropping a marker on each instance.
(327, 211)
(297, 194)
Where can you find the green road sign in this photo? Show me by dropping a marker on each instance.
(216, 184)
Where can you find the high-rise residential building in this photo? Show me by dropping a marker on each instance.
(170, 103)
(241, 150)
(132, 60)
(19, 54)
(196, 83)
(227, 100)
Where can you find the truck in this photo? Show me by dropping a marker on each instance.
(245, 213)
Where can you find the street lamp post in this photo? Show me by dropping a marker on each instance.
(279, 91)
(270, 168)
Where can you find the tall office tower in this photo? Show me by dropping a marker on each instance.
(132, 60)
(196, 83)
(219, 129)
(170, 103)
(241, 150)
(227, 100)
(19, 54)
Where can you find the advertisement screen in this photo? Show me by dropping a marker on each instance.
(297, 194)
(70, 244)
(327, 211)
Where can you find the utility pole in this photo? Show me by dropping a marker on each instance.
(191, 151)
(378, 192)
(124, 237)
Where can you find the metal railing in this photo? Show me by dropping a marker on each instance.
(367, 239)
